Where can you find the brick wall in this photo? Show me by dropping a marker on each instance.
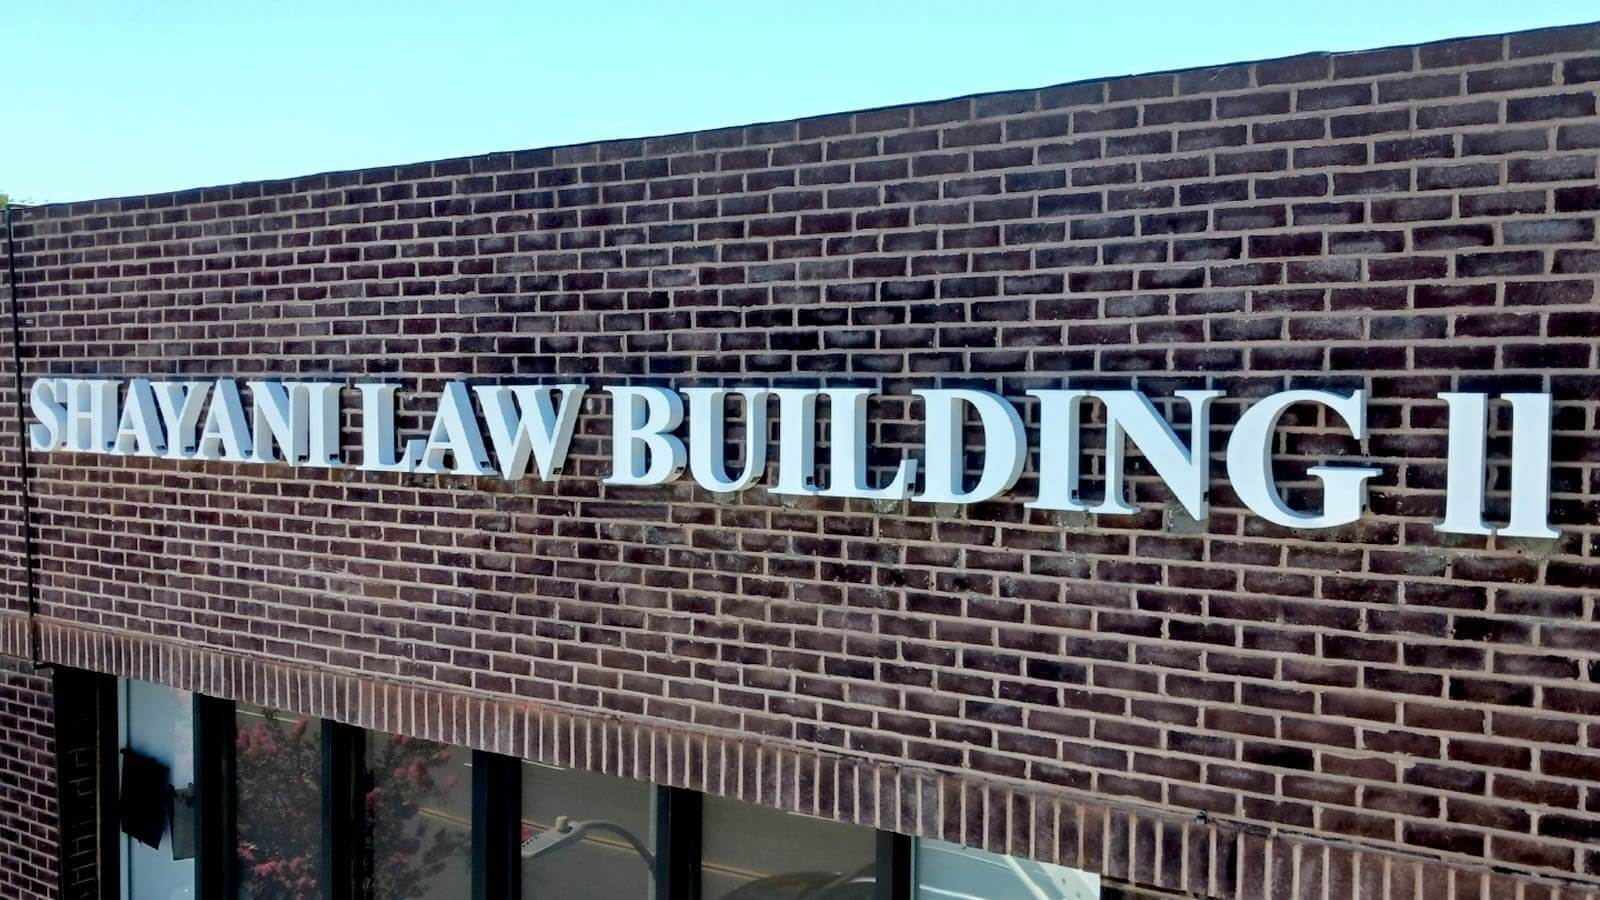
(84, 782)
(29, 835)
(15, 636)
(29, 805)
(1407, 221)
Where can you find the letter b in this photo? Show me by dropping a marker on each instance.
(643, 451)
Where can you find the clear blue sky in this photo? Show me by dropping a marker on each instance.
(107, 97)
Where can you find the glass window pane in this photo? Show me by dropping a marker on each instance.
(157, 724)
(278, 761)
(419, 819)
(750, 852)
(948, 871)
(585, 836)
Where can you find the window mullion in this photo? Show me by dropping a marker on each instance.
(893, 879)
(677, 844)
(216, 866)
(343, 823)
(496, 826)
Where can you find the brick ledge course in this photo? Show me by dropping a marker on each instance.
(1195, 856)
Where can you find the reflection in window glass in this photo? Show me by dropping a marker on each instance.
(585, 836)
(948, 871)
(419, 819)
(157, 722)
(750, 852)
(278, 761)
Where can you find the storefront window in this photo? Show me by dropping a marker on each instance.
(418, 819)
(948, 871)
(585, 836)
(278, 764)
(157, 724)
(751, 852)
(398, 813)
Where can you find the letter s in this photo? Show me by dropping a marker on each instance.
(49, 431)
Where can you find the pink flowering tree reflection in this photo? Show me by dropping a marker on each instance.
(279, 769)
(408, 850)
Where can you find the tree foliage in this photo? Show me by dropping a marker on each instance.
(279, 772)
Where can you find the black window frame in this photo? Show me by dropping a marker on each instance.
(676, 835)
(86, 777)
(496, 826)
(343, 810)
(215, 777)
(496, 864)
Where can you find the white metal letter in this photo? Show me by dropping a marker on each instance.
(1530, 467)
(797, 436)
(708, 415)
(322, 423)
(181, 403)
(847, 457)
(378, 453)
(643, 451)
(524, 424)
(455, 431)
(225, 435)
(1186, 470)
(91, 414)
(1003, 440)
(139, 428)
(1464, 472)
(43, 399)
(1250, 462)
(281, 418)
(1060, 446)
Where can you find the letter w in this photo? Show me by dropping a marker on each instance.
(530, 425)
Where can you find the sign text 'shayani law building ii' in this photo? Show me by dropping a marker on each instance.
(299, 422)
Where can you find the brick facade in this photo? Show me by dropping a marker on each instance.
(84, 783)
(29, 803)
(1224, 707)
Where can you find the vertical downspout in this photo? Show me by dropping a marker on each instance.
(23, 462)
